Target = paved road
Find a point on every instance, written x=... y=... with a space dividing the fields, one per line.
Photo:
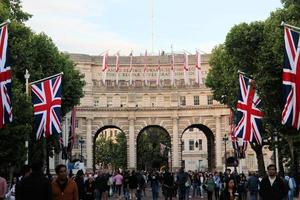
x=149 y=196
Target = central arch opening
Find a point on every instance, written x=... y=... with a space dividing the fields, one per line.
x=153 y=148
x=110 y=149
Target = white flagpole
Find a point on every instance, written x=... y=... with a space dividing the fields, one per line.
x=104 y=67
x=4 y=23
x=130 y=69
x=290 y=26
x=61 y=73
x=186 y=69
x=198 y=72
x=145 y=69
x=117 y=68
x=158 y=71
x=172 y=67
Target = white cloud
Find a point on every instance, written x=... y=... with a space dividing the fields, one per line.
x=67 y=24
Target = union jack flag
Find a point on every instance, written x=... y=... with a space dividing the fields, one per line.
x=249 y=115
x=46 y=99
x=5 y=79
x=291 y=79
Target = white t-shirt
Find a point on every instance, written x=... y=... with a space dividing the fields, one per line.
x=272 y=180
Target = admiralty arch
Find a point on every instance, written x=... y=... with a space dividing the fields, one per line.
x=133 y=106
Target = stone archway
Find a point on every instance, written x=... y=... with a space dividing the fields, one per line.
x=211 y=156
x=95 y=138
x=165 y=145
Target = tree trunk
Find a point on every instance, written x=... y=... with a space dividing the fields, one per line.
x=260 y=158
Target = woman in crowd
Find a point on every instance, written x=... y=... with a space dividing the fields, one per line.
x=229 y=192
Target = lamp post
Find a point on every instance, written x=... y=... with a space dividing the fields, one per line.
x=26 y=76
x=225 y=138
x=276 y=150
x=81 y=141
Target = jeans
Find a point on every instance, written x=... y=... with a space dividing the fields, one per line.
x=253 y=195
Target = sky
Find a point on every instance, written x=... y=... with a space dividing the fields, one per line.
x=95 y=26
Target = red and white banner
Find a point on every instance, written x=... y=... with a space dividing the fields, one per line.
x=145 y=69
x=104 y=67
x=198 y=72
x=186 y=69
x=173 y=70
x=130 y=69
x=117 y=67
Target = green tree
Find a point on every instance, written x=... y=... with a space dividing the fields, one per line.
x=38 y=54
x=112 y=153
x=239 y=53
x=148 y=148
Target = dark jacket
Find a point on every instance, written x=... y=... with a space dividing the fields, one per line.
x=34 y=187
x=225 y=195
x=275 y=192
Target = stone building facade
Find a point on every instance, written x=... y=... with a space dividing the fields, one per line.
x=133 y=108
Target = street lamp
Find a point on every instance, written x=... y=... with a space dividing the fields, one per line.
x=225 y=138
x=26 y=76
x=81 y=141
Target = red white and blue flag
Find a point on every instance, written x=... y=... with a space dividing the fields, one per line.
x=291 y=79
x=5 y=79
x=249 y=116
x=46 y=99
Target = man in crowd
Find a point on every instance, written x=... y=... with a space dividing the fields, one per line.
x=272 y=187
x=35 y=186
x=64 y=188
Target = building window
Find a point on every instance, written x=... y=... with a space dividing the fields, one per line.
x=182 y=100
x=196 y=101
x=182 y=145
x=153 y=101
x=76 y=123
x=191 y=145
x=109 y=102
x=96 y=102
x=123 y=101
x=200 y=144
x=210 y=99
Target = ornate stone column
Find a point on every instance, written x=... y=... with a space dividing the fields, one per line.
x=175 y=148
x=131 y=151
x=89 y=143
x=219 y=144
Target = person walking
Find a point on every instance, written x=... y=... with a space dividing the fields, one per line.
x=252 y=186
x=79 y=179
x=210 y=186
x=89 y=187
x=168 y=185
x=64 y=188
x=229 y=192
x=272 y=187
x=11 y=194
x=35 y=186
x=118 y=179
x=154 y=182
x=182 y=178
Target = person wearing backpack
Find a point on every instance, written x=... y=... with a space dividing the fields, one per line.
x=181 y=180
x=210 y=186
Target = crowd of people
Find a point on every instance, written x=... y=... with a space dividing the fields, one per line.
x=34 y=185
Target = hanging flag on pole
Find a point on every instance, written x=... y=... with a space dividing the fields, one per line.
x=117 y=68
x=5 y=78
x=158 y=71
x=173 y=70
x=290 y=79
x=145 y=69
x=72 y=134
x=104 y=67
x=130 y=69
x=249 y=115
x=46 y=99
x=186 y=69
x=238 y=149
x=198 y=73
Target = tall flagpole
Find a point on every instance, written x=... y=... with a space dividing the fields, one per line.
x=27 y=76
